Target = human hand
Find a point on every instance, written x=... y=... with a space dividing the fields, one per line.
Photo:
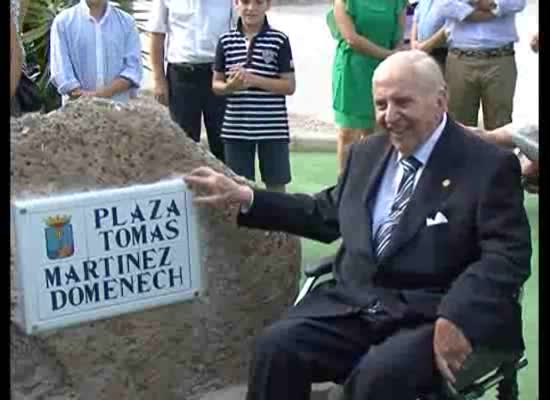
x=534 y=43
x=217 y=190
x=236 y=79
x=484 y=5
x=476 y=130
x=75 y=93
x=160 y=90
x=451 y=348
x=89 y=93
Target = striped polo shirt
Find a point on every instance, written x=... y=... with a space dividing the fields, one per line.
x=254 y=113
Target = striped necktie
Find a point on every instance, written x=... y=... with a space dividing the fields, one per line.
x=405 y=190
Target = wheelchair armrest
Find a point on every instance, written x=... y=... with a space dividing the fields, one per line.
x=323 y=267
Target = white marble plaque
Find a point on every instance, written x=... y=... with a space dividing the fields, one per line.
x=93 y=255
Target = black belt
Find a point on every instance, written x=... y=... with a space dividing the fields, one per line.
x=507 y=50
x=190 y=67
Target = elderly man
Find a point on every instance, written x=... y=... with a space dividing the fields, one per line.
x=435 y=249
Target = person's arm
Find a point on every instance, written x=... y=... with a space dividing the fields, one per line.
x=118 y=85
x=156 y=57
x=15 y=59
x=222 y=85
x=474 y=301
x=157 y=27
x=434 y=41
x=500 y=136
x=502 y=7
x=414 y=32
x=353 y=39
x=130 y=76
x=285 y=84
x=461 y=10
x=480 y=15
x=61 y=67
x=311 y=216
x=534 y=43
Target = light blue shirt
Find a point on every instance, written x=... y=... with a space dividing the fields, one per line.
x=492 y=33
x=427 y=18
x=90 y=54
x=394 y=173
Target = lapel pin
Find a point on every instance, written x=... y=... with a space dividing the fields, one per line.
x=446 y=183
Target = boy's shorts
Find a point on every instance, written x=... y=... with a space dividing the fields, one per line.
x=273 y=155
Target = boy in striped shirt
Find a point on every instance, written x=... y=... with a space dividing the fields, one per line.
x=254 y=69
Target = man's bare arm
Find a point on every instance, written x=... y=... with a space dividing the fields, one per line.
x=160 y=84
x=355 y=40
x=15 y=59
x=437 y=39
x=480 y=15
x=118 y=85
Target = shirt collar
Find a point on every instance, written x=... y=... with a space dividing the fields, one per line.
x=423 y=152
x=86 y=10
x=264 y=28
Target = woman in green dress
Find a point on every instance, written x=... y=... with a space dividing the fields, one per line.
x=367 y=31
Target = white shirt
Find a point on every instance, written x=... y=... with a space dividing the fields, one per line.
x=394 y=173
x=192 y=27
x=89 y=54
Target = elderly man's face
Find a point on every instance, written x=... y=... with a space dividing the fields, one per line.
x=407 y=109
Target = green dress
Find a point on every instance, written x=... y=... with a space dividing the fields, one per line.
x=378 y=21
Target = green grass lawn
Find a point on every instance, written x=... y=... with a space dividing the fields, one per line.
x=313 y=172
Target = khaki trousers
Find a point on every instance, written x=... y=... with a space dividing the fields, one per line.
x=491 y=81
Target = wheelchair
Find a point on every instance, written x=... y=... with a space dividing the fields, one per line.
x=503 y=377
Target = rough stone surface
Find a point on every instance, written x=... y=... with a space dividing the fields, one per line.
x=181 y=351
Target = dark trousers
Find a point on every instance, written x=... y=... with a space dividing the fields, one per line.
x=190 y=97
x=374 y=356
x=377 y=361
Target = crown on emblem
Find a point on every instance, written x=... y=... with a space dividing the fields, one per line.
x=57 y=220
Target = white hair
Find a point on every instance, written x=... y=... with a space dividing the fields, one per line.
x=426 y=70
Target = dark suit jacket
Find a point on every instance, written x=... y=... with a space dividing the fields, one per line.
x=468 y=270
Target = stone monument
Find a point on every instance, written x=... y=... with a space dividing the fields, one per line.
x=181 y=351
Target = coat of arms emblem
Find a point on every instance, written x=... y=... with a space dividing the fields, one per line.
x=269 y=56
x=59 y=237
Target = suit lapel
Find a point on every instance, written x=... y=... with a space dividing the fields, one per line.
x=430 y=192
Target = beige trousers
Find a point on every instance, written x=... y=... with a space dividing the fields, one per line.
x=489 y=81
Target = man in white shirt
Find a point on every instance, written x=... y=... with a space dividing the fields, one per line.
x=188 y=30
x=95 y=51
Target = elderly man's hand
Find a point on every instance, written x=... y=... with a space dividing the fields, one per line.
x=451 y=348
x=217 y=190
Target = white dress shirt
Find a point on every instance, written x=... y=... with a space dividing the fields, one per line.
x=90 y=54
x=192 y=27
x=394 y=173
